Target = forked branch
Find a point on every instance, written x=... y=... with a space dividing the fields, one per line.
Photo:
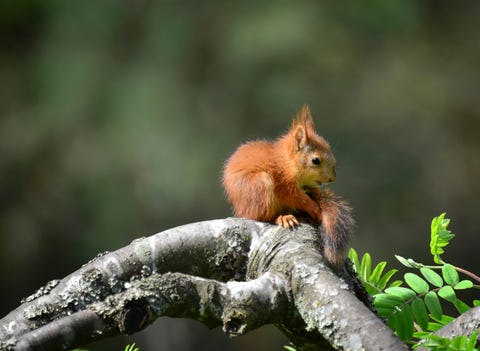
x=235 y=273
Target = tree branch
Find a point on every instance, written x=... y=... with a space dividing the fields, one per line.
x=465 y=324
x=234 y=273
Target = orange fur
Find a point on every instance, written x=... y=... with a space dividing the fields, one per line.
x=279 y=181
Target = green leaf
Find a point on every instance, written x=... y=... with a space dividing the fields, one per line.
x=404 y=323
x=391 y=321
x=440 y=340
x=403 y=261
x=439 y=237
x=432 y=277
x=459 y=342
x=472 y=341
x=365 y=267
x=464 y=284
x=420 y=313
x=450 y=275
x=386 y=308
x=382 y=283
x=461 y=306
x=476 y=303
x=434 y=229
x=387 y=301
x=396 y=283
x=433 y=304
x=131 y=347
x=377 y=272
x=432 y=326
x=416 y=283
x=289 y=348
x=448 y=294
x=404 y=293
x=406 y=262
x=385 y=311
x=444 y=319
x=438 y=343
x=421 y=335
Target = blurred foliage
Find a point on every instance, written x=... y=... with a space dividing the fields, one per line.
x=116 y=116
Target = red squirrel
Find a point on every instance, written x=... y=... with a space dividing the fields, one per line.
x=281 y=182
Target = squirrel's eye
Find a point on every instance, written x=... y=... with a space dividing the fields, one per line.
x=316 y=161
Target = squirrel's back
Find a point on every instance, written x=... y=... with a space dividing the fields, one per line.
x=251 y=156
x=248 y=179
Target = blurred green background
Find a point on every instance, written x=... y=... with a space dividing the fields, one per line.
x=116 y=117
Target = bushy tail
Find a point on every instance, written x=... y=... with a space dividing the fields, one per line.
x=336 y=226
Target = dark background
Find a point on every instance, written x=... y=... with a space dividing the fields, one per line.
x=116 y=117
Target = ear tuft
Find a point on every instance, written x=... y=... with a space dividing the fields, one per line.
x=304 y=118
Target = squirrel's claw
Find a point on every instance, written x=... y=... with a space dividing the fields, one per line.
x=287 y=221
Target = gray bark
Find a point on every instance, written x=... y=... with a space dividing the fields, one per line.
x=234 y=273
x=465 y=324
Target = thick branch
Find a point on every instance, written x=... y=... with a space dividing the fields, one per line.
x=238 y=306
x=465 y=324
x=216 y=249
x=236 y=273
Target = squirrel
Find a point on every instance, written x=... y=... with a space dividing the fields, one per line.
x=282 y=182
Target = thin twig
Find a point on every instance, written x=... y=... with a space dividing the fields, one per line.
x=470 y=274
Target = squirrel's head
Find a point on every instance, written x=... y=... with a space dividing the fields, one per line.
x=313 y=155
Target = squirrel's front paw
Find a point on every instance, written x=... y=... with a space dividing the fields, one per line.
x=287 y=221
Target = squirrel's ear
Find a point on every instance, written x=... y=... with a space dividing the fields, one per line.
x=300 y=138
x=303 y=127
